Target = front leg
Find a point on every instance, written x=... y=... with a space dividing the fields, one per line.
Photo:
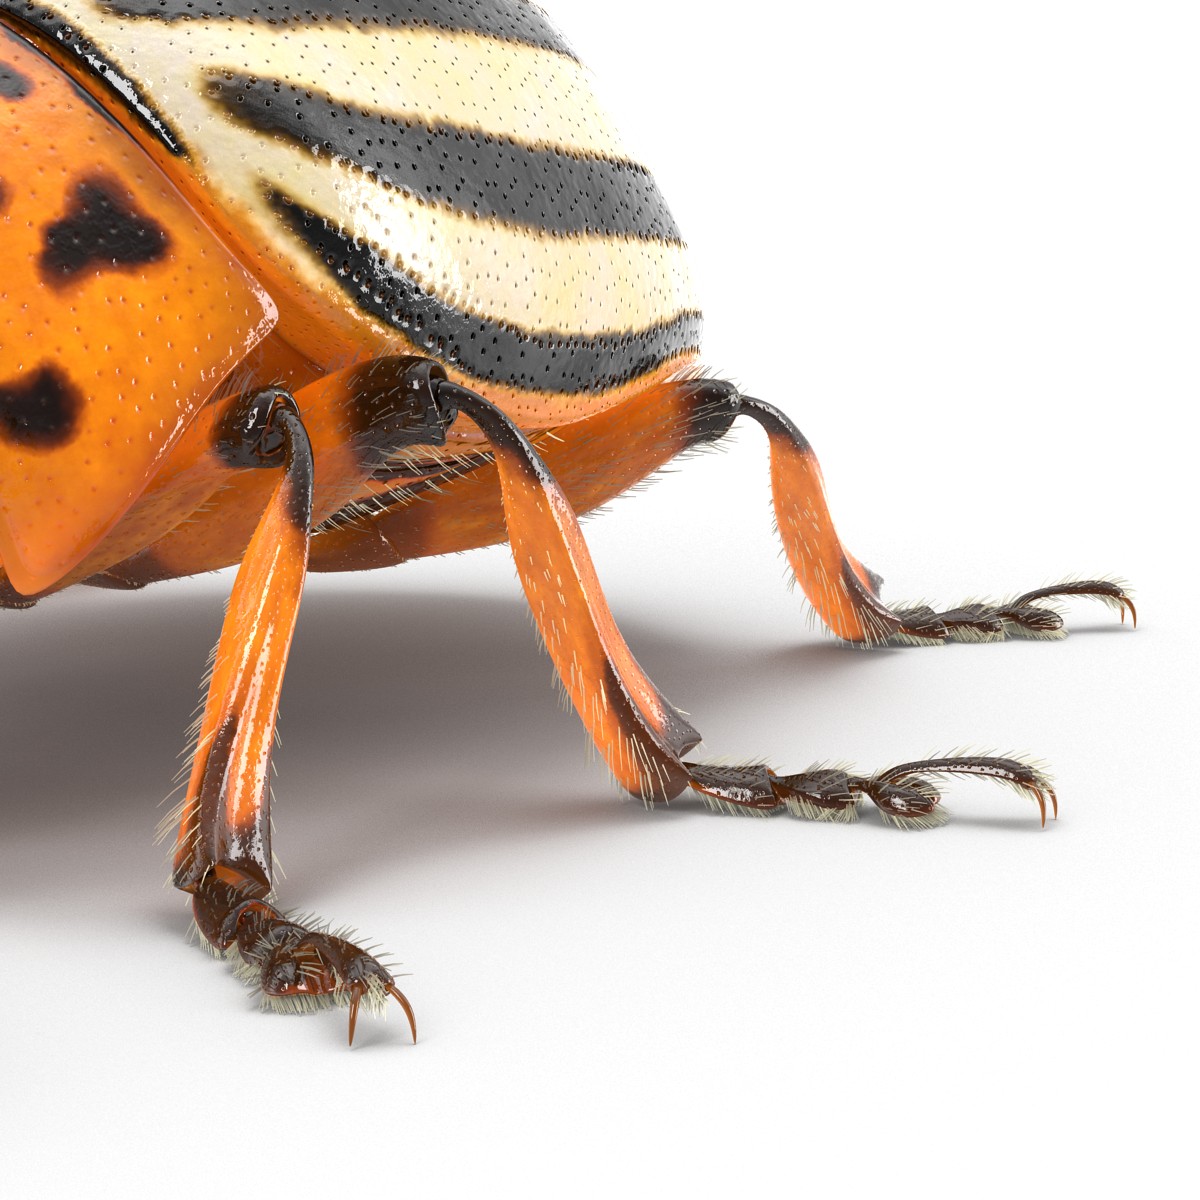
x=223 y=852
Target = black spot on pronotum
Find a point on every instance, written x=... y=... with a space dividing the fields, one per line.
x=13 y=85
x=102 y=229
x=39 y=410
x=3 y=195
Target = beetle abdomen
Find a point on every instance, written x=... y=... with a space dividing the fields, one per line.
x=433 y=173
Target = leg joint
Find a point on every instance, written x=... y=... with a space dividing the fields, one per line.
x=713 y=406
x=396 y=402
x=249 y=434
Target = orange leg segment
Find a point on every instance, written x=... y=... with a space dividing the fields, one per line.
x=223 y=852
x=366 y=415
x=837 y=585
x=225 y=831
x=639 y=732
x=598 y=458
x=845 y=593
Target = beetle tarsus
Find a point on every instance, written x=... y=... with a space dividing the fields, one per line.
x=1019 y=617
x=11 y=598
x=904 y=795
x=296 y=965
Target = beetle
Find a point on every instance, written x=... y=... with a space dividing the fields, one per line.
x=333 y=285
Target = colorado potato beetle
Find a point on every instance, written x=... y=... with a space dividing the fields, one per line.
x=328 y=286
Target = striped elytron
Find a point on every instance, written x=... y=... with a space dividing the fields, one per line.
x=332 y=284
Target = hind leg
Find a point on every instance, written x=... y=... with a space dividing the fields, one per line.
x=846 y=594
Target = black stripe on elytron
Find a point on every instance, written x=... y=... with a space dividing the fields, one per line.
x=509 y=20
x=53 y=26
x=488 y=350
x=475 y=172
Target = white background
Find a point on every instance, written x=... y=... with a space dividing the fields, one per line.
x=957 y=242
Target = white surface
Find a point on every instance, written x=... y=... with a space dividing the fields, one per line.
x=971 y=276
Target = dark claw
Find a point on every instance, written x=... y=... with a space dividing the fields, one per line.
x=296 y=968
x=357 y=991
x=1105 y=590
x=1023 y=776
x=356 y=995
x=393 y=990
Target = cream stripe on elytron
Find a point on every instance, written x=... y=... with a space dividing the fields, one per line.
x=576 y=285
x=532 y=96
x=582 y=284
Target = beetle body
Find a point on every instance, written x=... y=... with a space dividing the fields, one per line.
x=335 y=284
x=472 y=204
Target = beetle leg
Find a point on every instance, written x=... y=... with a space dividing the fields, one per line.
x=223 y=851
x=639 y=732
x=641 y=735
x=846 y=594
x=1019 y=617
x=225 y=828
x=903 y=794
x=10 y=597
